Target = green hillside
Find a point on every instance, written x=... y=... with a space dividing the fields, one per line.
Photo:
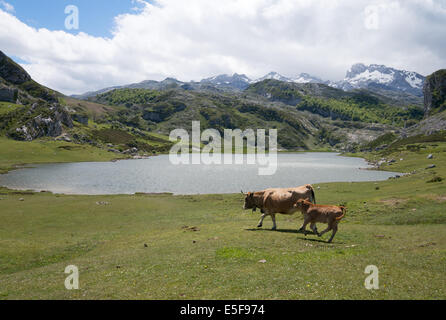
x=334 y=116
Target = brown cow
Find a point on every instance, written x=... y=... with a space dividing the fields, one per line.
x=277 y=200
x=313 y=213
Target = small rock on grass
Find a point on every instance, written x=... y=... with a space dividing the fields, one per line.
x=187 y=228
x=262 y=261
x=428 y=244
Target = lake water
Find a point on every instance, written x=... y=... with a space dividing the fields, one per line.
x=157 y=175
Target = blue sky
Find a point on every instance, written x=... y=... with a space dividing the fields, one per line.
x=95 y=16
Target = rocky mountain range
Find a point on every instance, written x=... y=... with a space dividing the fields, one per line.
x=377 y=78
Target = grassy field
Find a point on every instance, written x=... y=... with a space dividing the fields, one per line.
x=207 y=247
x=13 y=153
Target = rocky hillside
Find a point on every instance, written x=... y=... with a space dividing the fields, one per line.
x=35 y=110
x=432 y=128
x=307 y=116
x=434 y=106
x=435 y=92
x=30 y=111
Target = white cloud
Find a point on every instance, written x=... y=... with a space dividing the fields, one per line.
x=199 y=38
x=7 y=6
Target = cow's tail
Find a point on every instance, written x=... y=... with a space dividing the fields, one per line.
x=344 y=211
x=310 y=187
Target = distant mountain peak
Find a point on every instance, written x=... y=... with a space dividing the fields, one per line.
x=275 y=76
x=307 y=78
x=376 y=76
x=237 y=81
x=171 y=79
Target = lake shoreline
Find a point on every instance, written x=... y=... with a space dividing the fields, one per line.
x=113 y=187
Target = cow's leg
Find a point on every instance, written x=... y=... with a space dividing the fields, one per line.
x=261 y=220
x=314 y=228
x=273 y=217
x=335 y=229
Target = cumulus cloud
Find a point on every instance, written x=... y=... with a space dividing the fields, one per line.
x=199 y=38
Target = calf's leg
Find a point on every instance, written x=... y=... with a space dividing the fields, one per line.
x=330 y=226
x=304 y=227
x=314 y=228
x=335 y=229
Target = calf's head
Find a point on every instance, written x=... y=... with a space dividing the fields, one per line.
x=302 y=204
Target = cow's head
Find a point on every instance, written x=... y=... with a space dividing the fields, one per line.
x=249 y=201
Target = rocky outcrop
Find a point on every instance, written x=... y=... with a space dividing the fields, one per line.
x=11 y=71
x=81 y=118
x=8 y=94
x=49 y=123
x=430 y=125
x=435 y=92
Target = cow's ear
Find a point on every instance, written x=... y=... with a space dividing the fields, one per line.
x=251 y=195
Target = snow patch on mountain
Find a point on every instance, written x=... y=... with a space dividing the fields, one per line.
x=413 y=80
x=372 y=76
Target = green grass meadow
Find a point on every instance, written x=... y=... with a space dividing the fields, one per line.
x=207 y=247
x=13 y=153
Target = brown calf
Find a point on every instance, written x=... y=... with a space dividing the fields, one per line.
x=313 y=213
